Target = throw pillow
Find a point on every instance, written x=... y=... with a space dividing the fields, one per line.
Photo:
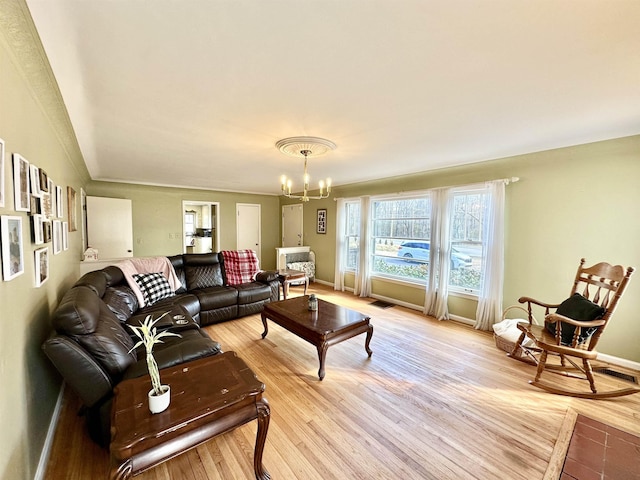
x=578 y=308
x=154 y=287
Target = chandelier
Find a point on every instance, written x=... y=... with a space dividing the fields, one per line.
x=305 y=147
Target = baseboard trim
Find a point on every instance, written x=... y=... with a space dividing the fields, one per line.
x=621 y=362
x=48 y=442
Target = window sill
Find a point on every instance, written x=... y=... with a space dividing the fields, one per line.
x=453 y=291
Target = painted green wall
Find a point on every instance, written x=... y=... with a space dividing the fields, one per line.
x=33 y=122
x=157 y=217
x=570 y=203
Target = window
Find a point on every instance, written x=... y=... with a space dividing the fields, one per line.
x=352 y=234
x=467 y=221
x=400 y=236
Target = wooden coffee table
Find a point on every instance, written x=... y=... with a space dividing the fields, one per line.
x=209 y=396
x=329 y=325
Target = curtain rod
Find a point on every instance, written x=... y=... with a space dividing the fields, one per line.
x=506 y=181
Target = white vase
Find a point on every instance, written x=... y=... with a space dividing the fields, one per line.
x=159 y=403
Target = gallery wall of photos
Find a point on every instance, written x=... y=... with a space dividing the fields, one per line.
x=44 y=202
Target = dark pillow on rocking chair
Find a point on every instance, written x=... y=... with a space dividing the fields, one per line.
x=578 y=308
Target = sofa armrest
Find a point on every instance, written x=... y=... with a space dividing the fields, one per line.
x=267 y=276
x=79 y=369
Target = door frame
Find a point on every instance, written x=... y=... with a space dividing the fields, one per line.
x=257 y=250
x=185 y=204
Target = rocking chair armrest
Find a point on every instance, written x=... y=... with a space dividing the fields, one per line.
x=537 y=302
x=554 y=318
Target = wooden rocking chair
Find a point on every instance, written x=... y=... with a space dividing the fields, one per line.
x=578 y=323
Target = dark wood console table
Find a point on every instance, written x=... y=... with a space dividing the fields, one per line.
x=209 y=396
x=286 y=276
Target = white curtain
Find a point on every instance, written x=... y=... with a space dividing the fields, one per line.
x=437 y=292
x=363 y=281
x=490 y=299
x=338 y=280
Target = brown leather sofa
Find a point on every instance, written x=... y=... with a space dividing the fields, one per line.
x=91 y=346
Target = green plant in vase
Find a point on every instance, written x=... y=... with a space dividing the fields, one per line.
x=149 y=337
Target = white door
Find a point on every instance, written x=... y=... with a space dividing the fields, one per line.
x=110 y=227
x=292 y=225
x=248 y=227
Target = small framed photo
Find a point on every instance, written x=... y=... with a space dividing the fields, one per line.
x=322 y=220
x=65 y=236
x=41 y=265
x=37 y=228
x=44 y=182
x=59 y=204
x=46 y=207
x=52 y=198
x=1 y=172
x=46 y=231
x=21 y=183
x=34 y=180
x=36 y=206
x=12 y=247
x=57 y=237
x=71 y=209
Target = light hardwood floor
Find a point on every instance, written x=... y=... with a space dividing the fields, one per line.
x=437 y=400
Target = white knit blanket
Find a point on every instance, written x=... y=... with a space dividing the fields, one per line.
x=135 y=265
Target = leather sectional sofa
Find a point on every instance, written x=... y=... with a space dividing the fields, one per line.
x=91 y=346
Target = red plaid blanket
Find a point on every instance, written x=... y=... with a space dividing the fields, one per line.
x=240 y=266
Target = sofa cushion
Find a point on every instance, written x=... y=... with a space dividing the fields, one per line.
x=154 y=287
x=253 y=292
x=240 y=266
x=204 y=276
x=122 y=301
x=216 y=297
x=190 y=345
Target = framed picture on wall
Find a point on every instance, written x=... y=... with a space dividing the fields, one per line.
x=34 y=180
x=21 y=183
x=41 y=266
x=59 y=205
x=57 y=237
x=44 y=182
x=46 y=231
x=37 y=227
x=71 y=209
x=65 y=236
x=1 y=172
x=12 y=247
x=322 y=220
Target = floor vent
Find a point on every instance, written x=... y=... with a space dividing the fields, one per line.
x=382 y=304
x=613 y=373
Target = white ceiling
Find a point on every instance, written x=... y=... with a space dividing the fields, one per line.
x=196 y=93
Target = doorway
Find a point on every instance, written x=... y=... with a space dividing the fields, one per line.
x=200 y=226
